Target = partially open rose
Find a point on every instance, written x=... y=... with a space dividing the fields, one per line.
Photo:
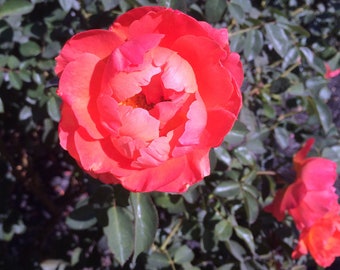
x=312 y=195
x=144 y=101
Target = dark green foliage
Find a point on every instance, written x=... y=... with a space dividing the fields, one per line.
x=50 y=210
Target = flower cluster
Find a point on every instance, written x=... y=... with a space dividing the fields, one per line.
x=313 y=204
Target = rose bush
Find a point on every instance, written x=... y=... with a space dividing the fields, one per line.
x=145 y=101
x=312 y=195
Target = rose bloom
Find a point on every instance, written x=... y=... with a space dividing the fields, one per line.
x=312 y=195
x=321 y=240
x=145 y=101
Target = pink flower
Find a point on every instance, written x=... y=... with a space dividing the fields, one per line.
x=321 y=240
x=144 y=101
x=312 y=195
x=331 y=73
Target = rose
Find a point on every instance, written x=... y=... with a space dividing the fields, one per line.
x=145 y=101
x=321 y=240
x=312 y=195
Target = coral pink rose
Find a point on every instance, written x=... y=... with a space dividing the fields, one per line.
x=144 y=101
x=312 y=195
x=321 y=240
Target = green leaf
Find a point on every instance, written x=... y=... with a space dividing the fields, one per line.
x=29 y=48
x=109 y=4
x=183 y=254
x=214 y=10
x=227 y=189
x=13 y=62
x=53 y=108
x=2 y=107
x=15 y=80
x=25 y=113
x=314 y=62
x=81 y=218
x=119 y=233
x=237 y=12
x=146 y=222
x=51 y=50
x=253 y=44
x=236 y=250
x=278 y=38
x=324 y=115
x=244 y=156
x=246 y=235
x=15 y=7
x=282 y=137
x=291 y=57
x=157 y=261
x=223 y=230
x=68 y=4
x=251 y=206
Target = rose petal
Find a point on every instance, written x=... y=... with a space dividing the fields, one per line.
x=318 y=173
x=138 y=123
x=98 y=156
x=300 y=156
x=78 y=87
x=97 y=42
x=154 y=154
x=174 y=175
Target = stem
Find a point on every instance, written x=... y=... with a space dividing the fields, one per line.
x=266 y=173
x=289 y=70
x=244 y=30
x=172 y=233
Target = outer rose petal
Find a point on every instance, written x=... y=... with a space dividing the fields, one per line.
x=300 y=156
x=174 y=175
x=215 y=84
x=321 y=240
x=318 y=173
x=78 y=87
x=275 y=207
x=135 y=14
x=97 y=42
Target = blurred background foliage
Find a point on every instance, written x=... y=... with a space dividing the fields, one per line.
x=53 y=216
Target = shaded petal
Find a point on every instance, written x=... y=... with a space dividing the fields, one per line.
x=218 y=35
x=197 y=120
x=178 y=74
x=108 y=110
x=275 y=207
x=138 y=123
x=174 y=175
x=234 y=65
x=78 y=87
x=315 y=205
x=128 y=146
x=154 y=154
x=98 y=156
x=97 y=42
x=122 y=56
x=294 y=194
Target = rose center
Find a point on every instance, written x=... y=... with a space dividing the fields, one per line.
x=138 y=101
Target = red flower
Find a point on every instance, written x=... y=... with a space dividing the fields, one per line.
x=312 y=195
x=321 y=240
x=144 y=101
x=331 y=73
